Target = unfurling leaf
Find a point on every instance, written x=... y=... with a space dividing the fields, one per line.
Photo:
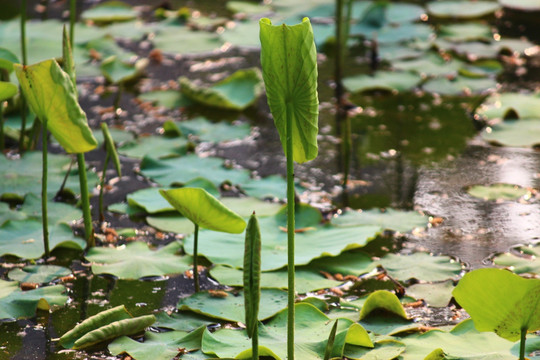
x=252 y=274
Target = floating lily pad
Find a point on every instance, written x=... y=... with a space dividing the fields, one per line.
x=171 y=99
x=504 y=192
x=466 y=32
x=521 y=265
x=155 y=146
x=459 y=86
x=174 y=39
x=312 y=242
x=15 y=303
x=306 y=279
x=57 y=212
x=273 y=186
x=247 y=8
x=514 y=133
x=117 y=71
x=243 y=34
x=500 y=106
x=382 y=80
x=110 y=11
x=347 y=263
x=462 y=9
x=24 y=238
x=396 y=220
x=462 y=342
x=214 y=132
x=522 y=5
x=38 y=274
x=182 y=321
x=435 y=295
x=231 y=307
x=312 y=329
x=235 y=92
x=171 y=222
x=136 y=260
x=421 y=266
x=480 y=50
x=181 y=170
x=430 y=64
x=383 y=350
x=385 y=301
x=6 y=214
x=481 y=69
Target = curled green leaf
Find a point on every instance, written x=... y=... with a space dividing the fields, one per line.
x=252 y=274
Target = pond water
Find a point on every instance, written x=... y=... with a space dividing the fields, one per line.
x=412 y=148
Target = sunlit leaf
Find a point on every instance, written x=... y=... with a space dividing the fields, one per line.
x=109 y=11
x=435 y=294
x=499 y=106
x=461 y=9
x=501 y=192
x=382 y=300
x=421 y=266
x=401 y=221
x=7 y=90
x=514 y=133
x=529 y=263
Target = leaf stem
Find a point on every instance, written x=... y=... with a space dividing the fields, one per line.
x=195 y=261
x=85 y=198
x=290 y=235
x=24 y=62
x=102 y=186
x=44 y=175
x=72 y=19
x=522 y=344
x=2 y=126
x=255 y=343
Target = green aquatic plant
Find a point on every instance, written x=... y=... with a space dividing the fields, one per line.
x=24 y=62
x=204 y=211
x=7 y=90
x=502 y=302
x=252 y=282
x=110 y=154
x=289 y=64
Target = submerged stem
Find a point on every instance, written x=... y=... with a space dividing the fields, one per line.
x=44 y=175
x=522 y=344
x=85 y=198
x=290 y=237
x=195 y=261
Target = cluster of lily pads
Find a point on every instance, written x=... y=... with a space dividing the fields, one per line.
x=334 y=253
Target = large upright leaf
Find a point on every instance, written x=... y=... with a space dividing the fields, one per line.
x=204 y=210
x=500 y=301
x=289 y=63
x=51 y=95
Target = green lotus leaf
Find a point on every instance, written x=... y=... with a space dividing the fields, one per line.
x=185 y=321
x=170 y=99
x=23 y=238
x=155 y=146
x=506 y=192
x=117 y=71
x=421 y=266
x=38 y=274
x=382 y=300
x=431 y=64
x=382 y=80
x=231 y=307
x=235 y=92
x=347 y=263
x=204 y=210
x=273 y=186
x=214 y=132
x=7 y=90
x=173 y=39
x=514 y=133
x=383 y=350
x=469 y=31
x=15 y=303
x=247 y=8
x=7 y=59
x=289 y=63
x=311 y=326
x=500 y=301
x=110 y=11
x=459 y=86
x=58 y=212
x=307 y=279
x=522 y=5
x=530 y=263
x=51 y=95
x=499 y=106
x=435 y=294
x=136 y=260
x=6 y=214
x=462 y=9
x=401 y=221
x=481 y=50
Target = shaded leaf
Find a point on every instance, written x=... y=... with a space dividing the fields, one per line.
x=421 y=266
x=38 y=274
x=383 y=80
x=435 y=295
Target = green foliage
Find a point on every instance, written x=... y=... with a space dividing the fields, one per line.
x=382 y=300
x=110 y=147
x=51 y=95
x=110 y=11
x=289 y=63
x=455 y=9
x=501 y=192
x=396 y=220
x=38 y=274
x=382 y=80
x=7 y=90
x=252 y=275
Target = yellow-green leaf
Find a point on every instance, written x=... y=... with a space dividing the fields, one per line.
x=51 y=95
x=7 y=90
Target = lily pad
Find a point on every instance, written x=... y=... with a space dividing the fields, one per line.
x=24 y=238
x=430 y=64
x=273 y=186
x=312 y=242
x=57 y=212
x=390 y=219
x=181 y=170
x=382 y=80
x=382 y=300
x=502 y=192
x=466 y=32
x=155 y=146
x=38 y=274
x=171 y=222
x=383 y=350
x=15 y=303
x=182 y=321
x=435 y=295
x=136 y=260
x=231 y=307
x=174 y=39
x=214 y=132
x=110 y=11
x=235 y=92
x=117 y=71
x=521 y=265
x=306 y=279
x=522 y=5
x=462 y=9
x=170 y=99
x=421 y=266
x=500 y=106
x=6 y=214
x=311 y=326
x=347 y=263
x=460 y=85
x=514 y=133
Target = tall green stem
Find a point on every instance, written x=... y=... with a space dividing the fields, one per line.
x=102 y=186
x=72 y=19
x=24 y=62
x=195 y=260
x=255 y=345
x=522 y=344
x=85 y=198
x=2 y=126
x=44 y=175
x=290 y=235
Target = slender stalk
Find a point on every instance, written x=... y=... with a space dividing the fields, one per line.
x=2 y=145
x=58 y=195
x=24 y=62
x=87 y=216
x=522 y=344
x=102 y=186
x=290 y=236
x=195 y=261
x=72 y=20
x=44 y=175
x=255 y=345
